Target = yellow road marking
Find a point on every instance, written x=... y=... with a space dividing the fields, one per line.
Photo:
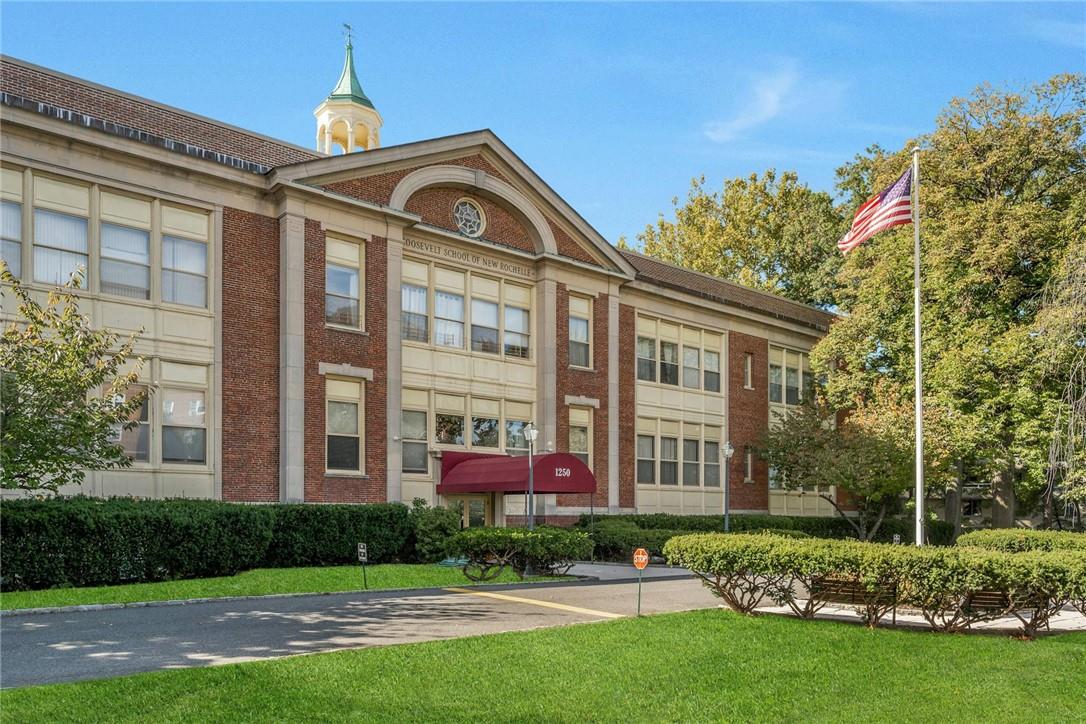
x=534 y=602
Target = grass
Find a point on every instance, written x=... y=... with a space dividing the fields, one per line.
x=706 y=665
x=258 y=582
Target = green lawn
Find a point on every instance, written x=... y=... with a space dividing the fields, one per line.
x=707 y=665
x=259 y=582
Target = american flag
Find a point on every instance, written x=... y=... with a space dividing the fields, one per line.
x=893 y=207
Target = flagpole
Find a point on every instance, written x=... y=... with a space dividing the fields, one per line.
x=919 y=393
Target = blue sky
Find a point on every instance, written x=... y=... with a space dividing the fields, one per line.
x=616 y=106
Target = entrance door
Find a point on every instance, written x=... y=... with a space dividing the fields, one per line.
x=476 y=510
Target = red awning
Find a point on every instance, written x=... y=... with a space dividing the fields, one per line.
x=480 y=473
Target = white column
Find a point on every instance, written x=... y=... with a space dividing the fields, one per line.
x=393 y=373
x=546 y=327
x=350 y=139
x=328 y=140
x=291 y=358
x=612 y=403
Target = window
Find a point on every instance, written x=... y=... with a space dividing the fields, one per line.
x=126 y=261
x=690 y=462
x=484 y=432
x=808 y=385
x=748 y=371
x=791 y=386
x=184 y=434
x=712 y=464
x=137 y=441
x=469 y=218
x=184 y=271
x=971 y=508
x=646 y=459
x=775 y=383
x=774 y=479
x=748 y=464
x=669 y=461
x=515 y=442
x=414 y=322
x=578 y=442
x=484 y=326
x=11 y=237
x=712 y=371
x=448 y=319
x=516 y=332
x=691 y=367
x=60 y=246
x=669 y=363
x=449 y=429
x=415 y=458
x=342 y=283
x=343 y=425
x=578 y=342
x=646 y=359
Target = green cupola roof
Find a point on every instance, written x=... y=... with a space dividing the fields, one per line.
x=348 y=88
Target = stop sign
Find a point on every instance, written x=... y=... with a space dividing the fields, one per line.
x=640 y=558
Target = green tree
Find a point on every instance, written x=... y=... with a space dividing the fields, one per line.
x=769 y=232
x=1000 y=176
x=61 y=392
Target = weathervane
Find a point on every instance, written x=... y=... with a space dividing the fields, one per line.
x=347 y=33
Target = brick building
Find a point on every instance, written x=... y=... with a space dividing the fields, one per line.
x=323 y=326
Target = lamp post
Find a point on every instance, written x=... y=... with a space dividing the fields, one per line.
x=530 y=434
x=728 y=451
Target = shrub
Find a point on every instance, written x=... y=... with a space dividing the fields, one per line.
x=325 y=535
x=946 y=584
x=1020 y=539
x=91 y=542
x=490 y=550
x=431 y=529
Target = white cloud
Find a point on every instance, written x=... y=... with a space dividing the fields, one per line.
x=770 y=93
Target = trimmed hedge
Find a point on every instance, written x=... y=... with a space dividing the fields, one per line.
x=939 y=532
x=1022 y=539
x=953 y=587
x=616 y=540
x=548 y=551
x=92 y=542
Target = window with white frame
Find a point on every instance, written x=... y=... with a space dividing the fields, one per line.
x=517 y=334
x=646 y=459
x=136 y=442
x=748 y=464
x=184 y=426
x=343 y=423
x=343 y=283
x=646 y=359
x=414 y=319
x=414 y=451
x=580 y=440
x=669 y=363
x=448 y=319
x=580 y=348
x=11 y=236
x=516 y=443
x=712 y=371
x=712 y=464
x=791 y=385
x=60 y=247
x=184 y=271
x=125 y=261
x=449 y=428
x=484 y=326
x=669 y=461
x=691 y=367
x=690 y=461
x=748 y=370
x=790 y=377
x=484 y=431
x=776 y=383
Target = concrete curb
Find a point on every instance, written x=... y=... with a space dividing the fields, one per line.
x=432 y=590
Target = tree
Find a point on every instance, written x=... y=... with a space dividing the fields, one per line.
x=867 y=454
x=771 y=233
x=61 y=392
x=1001 y=174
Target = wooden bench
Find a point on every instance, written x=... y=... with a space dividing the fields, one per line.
x=846 y=590
x=986 y=602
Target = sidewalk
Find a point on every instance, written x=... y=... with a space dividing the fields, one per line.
x=626 y=571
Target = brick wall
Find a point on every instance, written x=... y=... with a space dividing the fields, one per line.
x=377 y=188
x=748 y=417
x=627 y=405
x=107 y=105
x=250 y=373
x=323 y=344
x=568 y=247
x=587 y=383
x=435 y=206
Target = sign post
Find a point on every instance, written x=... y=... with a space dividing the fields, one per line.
x=363 y=557
x=640 y=560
